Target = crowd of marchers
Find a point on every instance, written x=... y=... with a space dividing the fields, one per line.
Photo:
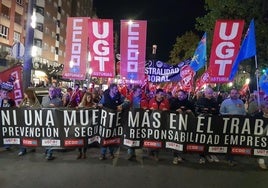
x=120 y=98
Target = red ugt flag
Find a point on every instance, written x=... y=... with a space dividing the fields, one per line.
x=225 y=46
x=101 y=47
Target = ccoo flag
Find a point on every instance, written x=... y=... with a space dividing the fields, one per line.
x=200 y=55
x=247 y=49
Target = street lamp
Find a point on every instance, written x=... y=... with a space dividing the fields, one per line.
x=154 y=49
x=33 y=18
x=130 y=22
x=247 y=80
x=34 y=51
x=27 y=63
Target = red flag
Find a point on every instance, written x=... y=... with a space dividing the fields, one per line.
x=132 y=50
x=101 y=47
x=204 y=79
x=225 y=46
x=17 y=92
x=244 y=89
x=168 y=86
x=76 y=49
x=187 y=75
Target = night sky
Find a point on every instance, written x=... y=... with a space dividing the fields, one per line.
x=165 y=19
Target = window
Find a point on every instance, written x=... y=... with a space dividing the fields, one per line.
x=57 y=36
x=20 y=2
x=38 y=43
x=39 y=26
x=18 y=18
x=5 y=11
x=57 y=50
x=4 y=31
x=58 y=23
x=59 y=10
x=40 y=10
x=16 y=36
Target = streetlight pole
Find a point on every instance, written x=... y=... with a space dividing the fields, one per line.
x=27 y=63
x=89 y=77
x=154 y=51
x=71 y=64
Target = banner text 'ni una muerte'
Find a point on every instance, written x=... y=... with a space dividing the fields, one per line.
x=134 y=128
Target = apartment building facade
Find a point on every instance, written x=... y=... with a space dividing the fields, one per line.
x=48 y=45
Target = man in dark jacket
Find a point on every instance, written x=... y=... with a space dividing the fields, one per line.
x=181 y=104
x=114 y=100
x=207 y=105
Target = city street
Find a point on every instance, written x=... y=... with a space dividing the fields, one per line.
x=32 y=170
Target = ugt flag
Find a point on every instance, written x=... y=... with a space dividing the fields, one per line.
x=199 y=59
x=247 y=50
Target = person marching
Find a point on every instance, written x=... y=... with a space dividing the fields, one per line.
x=136 y=101
x=29 y=101
x=263 y=114
x=232 y=106
x=159 y=102
x=181 y=104
x=51 y=101
x=87 y=102
x=207 y=105
x=114 y=100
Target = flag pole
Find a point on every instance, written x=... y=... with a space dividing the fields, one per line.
x=257 y=82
